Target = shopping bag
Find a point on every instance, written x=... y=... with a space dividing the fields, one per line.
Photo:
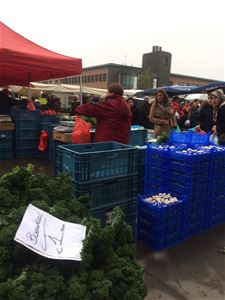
x=30 y=105
x=81 y=132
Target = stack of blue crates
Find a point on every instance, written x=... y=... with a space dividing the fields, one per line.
x=27 y=125
x=160 y=225
x=48 y=123
x=217 y=186
x=141 y=157
x=6 y=144
x=191 y=170
x=107 y=172
x=194 y=173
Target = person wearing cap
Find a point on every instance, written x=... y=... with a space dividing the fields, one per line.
x=217 y=98
x=113 y=116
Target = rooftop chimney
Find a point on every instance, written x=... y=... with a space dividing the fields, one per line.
x=156 y=48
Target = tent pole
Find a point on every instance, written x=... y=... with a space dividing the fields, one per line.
x=29 y=91
x=81 y=90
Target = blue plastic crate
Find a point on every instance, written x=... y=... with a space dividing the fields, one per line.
x=138 y=136
x=186 y=188
x=189 y=137
x=161 y=226
x=25 y=115
x=179 y=137
x=6 y=153
x=98 y=161
x=26 y=124
x=49 y=118
x=6 y=135
x=26 y=152
x=6 y=140
x=27 y=133
x=106 y=215
x=108 y=192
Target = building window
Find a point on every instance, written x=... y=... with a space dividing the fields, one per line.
x=88 y=78
x=165 y=61
x=104 y=77
x=100 y=77
x=92 y=78
x=96 y=77
x=127 y=80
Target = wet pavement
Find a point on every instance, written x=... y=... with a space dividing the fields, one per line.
x=192 y=270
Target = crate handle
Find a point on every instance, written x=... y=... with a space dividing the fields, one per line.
x=111 y=155
x=89 y=147
x=109 y=182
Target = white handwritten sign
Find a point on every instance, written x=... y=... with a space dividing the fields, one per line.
x=50 y=236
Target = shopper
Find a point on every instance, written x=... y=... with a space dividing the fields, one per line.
x=161 y=114
x=145 y=110
x=218 y=102
x=113 y=116
x=7 y=102
x=136 y=114
x=206 y=116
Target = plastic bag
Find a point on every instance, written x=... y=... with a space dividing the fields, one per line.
x=81 y=132
x=213 y=139
x=31 y=106
x=177 y=128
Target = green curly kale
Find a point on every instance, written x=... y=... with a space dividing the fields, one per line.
x=108 y=270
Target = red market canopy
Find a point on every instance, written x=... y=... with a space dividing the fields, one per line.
x=22 y=61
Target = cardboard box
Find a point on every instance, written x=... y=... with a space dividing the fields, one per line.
x=6 y=126
x=62 y=136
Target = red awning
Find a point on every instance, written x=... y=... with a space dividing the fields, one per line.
x=22 y=61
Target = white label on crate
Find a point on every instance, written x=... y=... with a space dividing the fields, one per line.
x=49 y=236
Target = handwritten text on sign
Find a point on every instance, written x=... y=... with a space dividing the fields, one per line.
x=50 y=236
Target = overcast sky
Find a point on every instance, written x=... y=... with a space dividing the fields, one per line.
x=121 y=31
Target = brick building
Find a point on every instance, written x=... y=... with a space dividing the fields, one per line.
x=158 y=62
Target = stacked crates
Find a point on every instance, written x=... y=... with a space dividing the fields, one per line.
x=141 y=157
x=217 y=186
x=6 y=144
x=160 y=225
x=193 y=173
x=50 y=152
x=107 y=172
x=191 y=170
x=26 y=132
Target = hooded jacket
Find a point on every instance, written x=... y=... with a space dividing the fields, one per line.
x=220 y=120
x=113 y=117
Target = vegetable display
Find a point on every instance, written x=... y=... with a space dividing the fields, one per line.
x=108 y=270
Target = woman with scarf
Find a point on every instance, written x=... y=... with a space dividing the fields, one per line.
x=218 y=103
x=162 y=114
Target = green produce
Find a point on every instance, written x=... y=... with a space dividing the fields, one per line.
x=108 y=270
x=90 y=120
x=163 y=138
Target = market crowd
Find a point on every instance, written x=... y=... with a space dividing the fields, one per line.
x=115 y=113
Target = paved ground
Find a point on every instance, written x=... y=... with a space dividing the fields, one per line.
x=192 y=270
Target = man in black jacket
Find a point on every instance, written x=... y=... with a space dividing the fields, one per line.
x=145 y=110
x=7 y=102
x=206 y=116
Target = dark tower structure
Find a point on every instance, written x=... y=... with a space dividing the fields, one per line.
x=158 y=62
